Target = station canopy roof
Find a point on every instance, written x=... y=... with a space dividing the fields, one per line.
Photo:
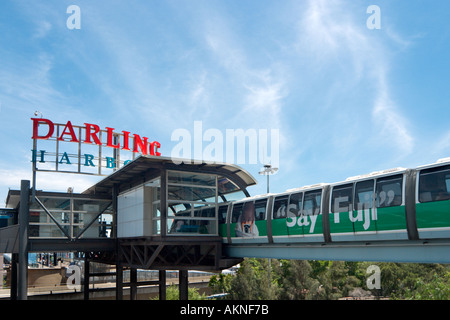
x=232 y=178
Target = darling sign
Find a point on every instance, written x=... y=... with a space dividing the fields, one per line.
x=86 y=149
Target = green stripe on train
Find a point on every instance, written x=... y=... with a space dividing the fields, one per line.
x=433 y=214
x=260 y=224
x=374 y=219
x=303 y=225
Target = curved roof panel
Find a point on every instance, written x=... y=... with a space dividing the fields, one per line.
x=145 y=168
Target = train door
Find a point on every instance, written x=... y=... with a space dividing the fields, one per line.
x=311 y=215
x=282 y=216
x=341 y=208
x=248 y=222
x=433 y=202
x=390 y=214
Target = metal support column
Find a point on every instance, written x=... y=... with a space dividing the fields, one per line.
x=24 y=217
x=14 y=261
x=119 y=281
x=86 y=276
x=163 y=202
x=183 y=284
x=162 y=285
x=133 y=284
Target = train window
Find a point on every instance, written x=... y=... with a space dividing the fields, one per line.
x=223 y=214
x=364 y=194
x=342 y=198
x=295 y=205
x=389 y=191
x=311 y=203
x=237 y=211
x=280 y=207
x=434 y=184
x=260 y=209
x=249 y=211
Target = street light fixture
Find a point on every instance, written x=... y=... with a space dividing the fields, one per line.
x=268 y=170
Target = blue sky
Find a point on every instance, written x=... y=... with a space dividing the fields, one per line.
x=346 y=99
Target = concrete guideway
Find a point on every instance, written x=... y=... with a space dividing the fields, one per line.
x=420 y=251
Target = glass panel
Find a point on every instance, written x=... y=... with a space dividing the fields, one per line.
x=389 y=191
x=47 y=231
x=99 y=229
x=434 y=184
x=223 y=214
x=157 y=210
x=191 y=178
x=90 y=205
x=52 y=203
x=155 y=188
x=181 y=226
x=181 y=209
x=260 y=209
x=364 y=194
x=246 y=220
x=295 y=204
x=105 y=227
x=280 y=206
x=38 y=216
x=205 y=211
x=235 y=196
x=312 y=202
x=225 y=186
x=156 y=226
x=61 y=217
x=342 y=199
x=237 y=211
x=190 y=193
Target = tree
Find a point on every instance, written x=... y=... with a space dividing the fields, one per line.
x=296 y=282
x=437 y=289
x=220 y=283
x=252 y=281
x=331 y=280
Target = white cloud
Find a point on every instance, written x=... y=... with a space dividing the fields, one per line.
x=336 y=43
x=262 y=89
x=392 y=126
x=42 y=29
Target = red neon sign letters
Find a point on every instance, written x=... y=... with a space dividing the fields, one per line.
x=92 y=132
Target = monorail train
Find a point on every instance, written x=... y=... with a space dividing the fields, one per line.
x=396 y=204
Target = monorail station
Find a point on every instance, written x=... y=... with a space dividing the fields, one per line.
x=150 y=214
x=159 y=213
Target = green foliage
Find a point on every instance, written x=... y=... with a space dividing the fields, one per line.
x=296 y=281
x=437 y=289
x=331 y=280
x=256 y=279
x=252 y=281
x=173 y=293
x=220 y=283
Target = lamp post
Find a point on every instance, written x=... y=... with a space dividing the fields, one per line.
x=268 y=170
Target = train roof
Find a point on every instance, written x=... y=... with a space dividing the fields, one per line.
x=307 y=188
x=375 y=174
x=438 y=163
x=256 y=197
x=352 y=179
